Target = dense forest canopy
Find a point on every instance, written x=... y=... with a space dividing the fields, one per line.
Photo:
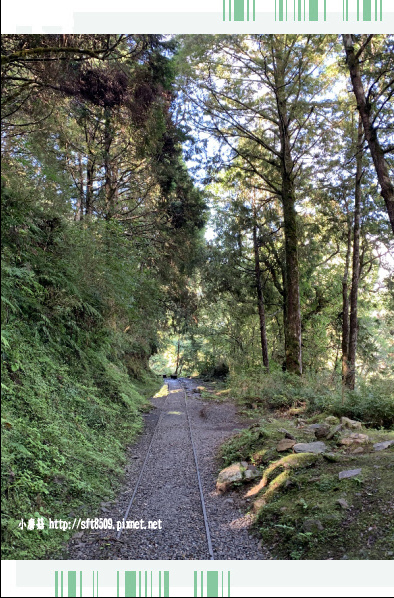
x=118 y=153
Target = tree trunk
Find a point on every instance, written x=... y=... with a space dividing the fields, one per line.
x=89 y=187
x=178 y=361
x=292 y=296
x=345 y=305
x=364 y=108
x=107 y=165
x=260 y=296
x=353 y=324
x=80 y=201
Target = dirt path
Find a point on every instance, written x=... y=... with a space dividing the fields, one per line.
x=168 y=492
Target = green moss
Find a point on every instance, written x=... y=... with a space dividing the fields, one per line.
x=363 y=531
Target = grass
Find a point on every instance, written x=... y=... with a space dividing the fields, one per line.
x=295 y=502
x=64 y=434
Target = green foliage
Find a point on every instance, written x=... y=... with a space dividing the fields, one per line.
x=69 y=404
x=305 y=520
x=243 y=445
x=372 y=402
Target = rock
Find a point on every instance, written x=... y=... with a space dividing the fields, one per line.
x=228 y=501
x=77 y=536
x=230 y=475
x=310 y=447
x=381 y=446
x=331 y=420
x=334 y=431
x=311 y=428
x=354 y=439
x=357 y=450
x=349 y=473
x=312 y=525
x=286 y=433
x=322 y=431
x=350 y=423
x=251 y=474
x=332 y=457
x=342 y=503
x=285 y=445
x=290 y=484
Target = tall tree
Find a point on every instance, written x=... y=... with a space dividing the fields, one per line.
x=353 y=321
x=264 y=115
x=382 y=86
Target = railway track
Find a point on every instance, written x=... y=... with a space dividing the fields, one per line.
x=173 y=386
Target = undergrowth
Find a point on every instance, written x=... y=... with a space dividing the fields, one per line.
x=372 y=402
x=74 y=351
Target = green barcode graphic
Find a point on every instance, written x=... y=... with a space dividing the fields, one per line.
x=304 y=10
x=133 y=583
x=214 y=585
x=239 y=10
x=60 y=584
x=140 y=583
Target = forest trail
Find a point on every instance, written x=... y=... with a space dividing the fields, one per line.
x=168 y=488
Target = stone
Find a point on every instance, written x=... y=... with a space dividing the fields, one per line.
x=381 y=446
x=285 y=445
x=334 y=431
x=229 y=501
x=354 y=439
x=332 y=457
x=342 y=503
x=357 y=451
x=310 y=447
x=230 y=475
x=290 y=484
x=331 y=420
x=251 y=474
x=319 y=430
x=349 y=473
x=350 y=423
x=286 y=433
x=312 y=525
x=322 y=431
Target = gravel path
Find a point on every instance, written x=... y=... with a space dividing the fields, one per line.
x=168 y=491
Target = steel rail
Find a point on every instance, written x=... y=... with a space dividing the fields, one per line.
x=204 y=512
x=143 y=466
